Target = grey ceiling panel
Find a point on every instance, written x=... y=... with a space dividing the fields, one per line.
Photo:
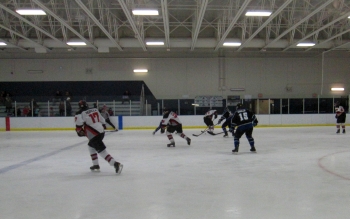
x=186 y=26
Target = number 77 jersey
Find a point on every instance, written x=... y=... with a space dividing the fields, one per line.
x=91 y=121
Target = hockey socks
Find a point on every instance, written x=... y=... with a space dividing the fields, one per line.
x=107 y=157
x=93 y=155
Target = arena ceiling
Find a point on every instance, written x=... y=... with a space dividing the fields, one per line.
x=187 y=28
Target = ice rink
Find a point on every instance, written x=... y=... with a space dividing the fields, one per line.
x=297 y=173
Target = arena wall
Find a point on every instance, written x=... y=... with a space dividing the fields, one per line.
x=176 y=78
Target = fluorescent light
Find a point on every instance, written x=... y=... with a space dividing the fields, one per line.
x=140 y=70
x=2 y=44
x=30 y=12
x=337 y=89
x=195 y=104
x=237 y=89
x=76 y=43
x=305 y=44
x=145 y=12
x=155 y=43
x=258 y=13
x=232 y=44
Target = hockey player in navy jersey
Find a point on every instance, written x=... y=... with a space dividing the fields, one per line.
x=209 y=117
x=244 y=121
x=171 y=123
x=227 y=116
x=90 y=123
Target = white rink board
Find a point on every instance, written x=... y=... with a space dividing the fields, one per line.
x=150 y=122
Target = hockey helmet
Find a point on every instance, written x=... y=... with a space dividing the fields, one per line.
x=83 y=105
x=165 y=110
x=239 y=106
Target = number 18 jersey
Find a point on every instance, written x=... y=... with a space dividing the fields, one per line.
x=242 y=116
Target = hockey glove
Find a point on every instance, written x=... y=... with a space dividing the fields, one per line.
x=104 y=126
x=81 y=133
x=162 y=130
x=219 y=121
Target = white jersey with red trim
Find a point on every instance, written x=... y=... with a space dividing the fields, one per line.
x=91 y=121
x=339 y=110
x=210 y=113
x=105 y=114
x=171 y=119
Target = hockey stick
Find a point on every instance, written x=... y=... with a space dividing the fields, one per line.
x=212 y=133
x=205 y=130
x=111 y=130
x=200 y=133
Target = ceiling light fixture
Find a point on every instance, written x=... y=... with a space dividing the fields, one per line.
x=76 y=43
x=3 y=44
x=145 y=12
x=337 y=89
x=140 y=70
x=237 y=89
x=155 y=43
x=258 y=13
x=30 y=12
x=305 y=44
x=232 y=44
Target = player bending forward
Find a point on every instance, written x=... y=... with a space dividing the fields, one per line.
x=91 y=124
x=208 y=118
x=172 y=123
x=244 y=121
x=227 y=116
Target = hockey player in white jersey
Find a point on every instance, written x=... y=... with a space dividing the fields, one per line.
x=209 y=117
x=105 y=115
x=340 y=115
x=172 y=123
x=90 y=123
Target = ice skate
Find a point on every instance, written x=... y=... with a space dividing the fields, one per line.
x=338 y=131
x=235 y=151
x=225 y=135
x=118 y=167
x=172 y=144
x=253 y=149
x=188 y=141
x=95 y=168
x=343 y=131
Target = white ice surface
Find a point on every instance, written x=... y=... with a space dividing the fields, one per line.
x=297 y=173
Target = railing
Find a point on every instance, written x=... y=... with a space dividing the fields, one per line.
x=139 y=106
x=68 y=108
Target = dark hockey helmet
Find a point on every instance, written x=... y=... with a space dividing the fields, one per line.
x=165 y=110
x=239 y=106
x=83 y=105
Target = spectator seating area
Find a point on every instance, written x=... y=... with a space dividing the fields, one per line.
x=132 y=108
